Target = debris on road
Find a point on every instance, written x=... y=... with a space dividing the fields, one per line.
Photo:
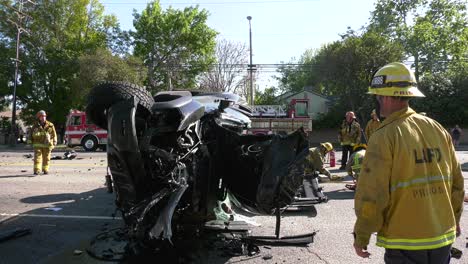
x=336 y=178
x=15 y=233
x=55 y=209
x=28 y=156
x=456 y=253
x=68 y=155
x=77 y=252
x=267 y=256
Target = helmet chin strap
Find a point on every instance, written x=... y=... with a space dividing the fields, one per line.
x=377 y=107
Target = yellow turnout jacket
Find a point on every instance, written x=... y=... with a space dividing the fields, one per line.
x=350 y=134
x=354 y=163
x=43 y=136
x=371 y=126
x=314 y=162
x=410 y=190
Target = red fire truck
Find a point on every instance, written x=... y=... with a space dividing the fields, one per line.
x=81 y=132
x=269 y=119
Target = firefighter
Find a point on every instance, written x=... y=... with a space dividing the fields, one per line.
x=372 y=125
x=349 y=135
x=315 y=159
x=43 y=139
x=353 y=167
x=410 y=189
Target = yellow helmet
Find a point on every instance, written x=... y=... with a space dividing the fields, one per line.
x=327 y=145
x=357 y=146
x=395 y=79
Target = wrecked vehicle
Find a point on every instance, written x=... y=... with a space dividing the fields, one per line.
x=173 y=158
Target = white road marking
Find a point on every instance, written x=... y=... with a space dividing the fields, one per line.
x=63 y=216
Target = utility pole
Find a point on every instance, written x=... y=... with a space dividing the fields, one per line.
x=250 y=65
x=19 y=29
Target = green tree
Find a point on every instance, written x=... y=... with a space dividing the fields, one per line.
x=101 y=66
x=6 y=72
x=445 y=99
x=433 y=33
x=343 y=70
x=296 y=75
x=266 y=97
x=60 y=31
x=176 y=45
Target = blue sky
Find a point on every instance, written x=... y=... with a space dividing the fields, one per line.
x=281 y=29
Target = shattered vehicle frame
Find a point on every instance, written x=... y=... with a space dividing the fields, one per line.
x=174 y=156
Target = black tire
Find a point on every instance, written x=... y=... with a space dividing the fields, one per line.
x=89 y=143
x=104 y=95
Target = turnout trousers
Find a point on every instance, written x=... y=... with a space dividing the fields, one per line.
x=428 y=256
x=347 y=150
x=41 y=159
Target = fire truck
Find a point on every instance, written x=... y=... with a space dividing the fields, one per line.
x=80 y=131
x=270 y=119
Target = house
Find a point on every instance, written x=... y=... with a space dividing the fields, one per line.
x=317 y=103
x=5 y=128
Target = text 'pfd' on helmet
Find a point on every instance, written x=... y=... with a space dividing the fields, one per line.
x=395 y=79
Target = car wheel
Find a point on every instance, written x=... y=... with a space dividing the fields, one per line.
x=104 y=95
x=89 y=143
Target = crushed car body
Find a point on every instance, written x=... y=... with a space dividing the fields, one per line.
x=174 y=156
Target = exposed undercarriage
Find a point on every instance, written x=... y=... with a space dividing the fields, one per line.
x=173 y=158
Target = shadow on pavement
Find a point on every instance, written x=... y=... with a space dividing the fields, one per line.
x=63 y=229
x=309 y=212
x=464 y=166
x=75 y=218
x=341 y=194
x=53 y=198
x=17 y=176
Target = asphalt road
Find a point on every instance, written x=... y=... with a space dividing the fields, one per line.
x=67 y=208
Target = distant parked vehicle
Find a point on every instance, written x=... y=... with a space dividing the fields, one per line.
x=81 y=132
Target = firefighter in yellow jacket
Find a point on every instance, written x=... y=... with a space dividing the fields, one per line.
x=410 y=190
x=353 y=167
x=372 y=124
x=349 y=135
x=314 y=161
x=43 y=139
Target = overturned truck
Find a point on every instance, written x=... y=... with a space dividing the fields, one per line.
x=174 y=156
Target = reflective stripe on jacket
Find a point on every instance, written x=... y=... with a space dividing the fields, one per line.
x=354 y=163
x=43 y=136
x=410 y=188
